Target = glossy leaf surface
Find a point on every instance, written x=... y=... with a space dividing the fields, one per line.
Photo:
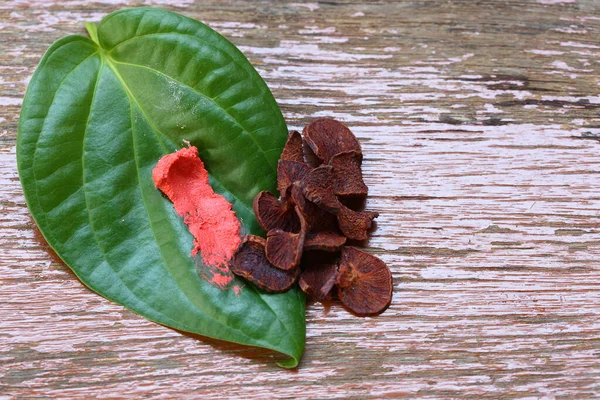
x=98 y=115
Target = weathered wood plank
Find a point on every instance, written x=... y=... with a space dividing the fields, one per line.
x=480 y=126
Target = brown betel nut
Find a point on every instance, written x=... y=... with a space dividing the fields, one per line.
x=317 y=280
x=251 y=263
x=364 y=282
x=317 y=220
x=292 y=151
x=324 y=241
x=327 y=137
x=284 y=249
x=347 y=174
x=289 y=172
x=317 y=187
x=355 y=225
x=272 y=213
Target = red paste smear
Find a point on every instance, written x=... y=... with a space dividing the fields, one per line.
x=209 y=217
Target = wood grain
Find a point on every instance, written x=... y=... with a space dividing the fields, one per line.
x=480 y=127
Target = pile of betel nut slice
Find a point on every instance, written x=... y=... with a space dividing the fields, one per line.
x=321 y=188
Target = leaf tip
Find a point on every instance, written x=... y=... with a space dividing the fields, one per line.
x=289 y=363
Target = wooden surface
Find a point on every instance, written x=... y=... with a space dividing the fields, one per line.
x=480 y=126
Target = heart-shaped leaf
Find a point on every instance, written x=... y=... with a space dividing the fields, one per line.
x=98 y=115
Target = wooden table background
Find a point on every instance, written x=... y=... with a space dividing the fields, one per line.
x=479 y=121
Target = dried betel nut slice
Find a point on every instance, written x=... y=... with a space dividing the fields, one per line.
x=317 y=280
x=272 y=213
x=355 y=225
x=289 y=172
x=324 y=241
x=347 y=174
x=327 y=137
x=317 y=219
x=364 y=282
x=251 y=263
x=292 y=151
x=284 y=249
x=317 y=187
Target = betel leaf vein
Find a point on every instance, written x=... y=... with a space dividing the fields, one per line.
x=97 y=116
x=132 y=98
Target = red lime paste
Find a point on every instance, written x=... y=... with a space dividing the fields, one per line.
x=209 y=217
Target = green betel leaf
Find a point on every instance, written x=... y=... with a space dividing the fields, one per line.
x=98 y=115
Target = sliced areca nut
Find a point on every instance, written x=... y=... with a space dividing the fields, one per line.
x=324 y=241
x=347 y=174
x=272 y=213
x=327 y=137
x=289 y=172
x=250 y=262
x=364 y=282
x=292 y=151
x=316 y=219
x=284 y=249
x=355 y=224
x=317 y=280
x=317 y=187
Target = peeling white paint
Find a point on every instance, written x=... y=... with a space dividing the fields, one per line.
x=573 y=99
x=10 y=101
x=562 y=65
x=309 y=30
x=580 y=45
x=176 y=3
x=310 y=6
x=489 y=108
x=572 y=30
x=546 y=52
x=237 y=25
x=555 y=1
x=313 y=51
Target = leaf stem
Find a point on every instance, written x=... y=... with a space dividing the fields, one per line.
x=92 y=30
